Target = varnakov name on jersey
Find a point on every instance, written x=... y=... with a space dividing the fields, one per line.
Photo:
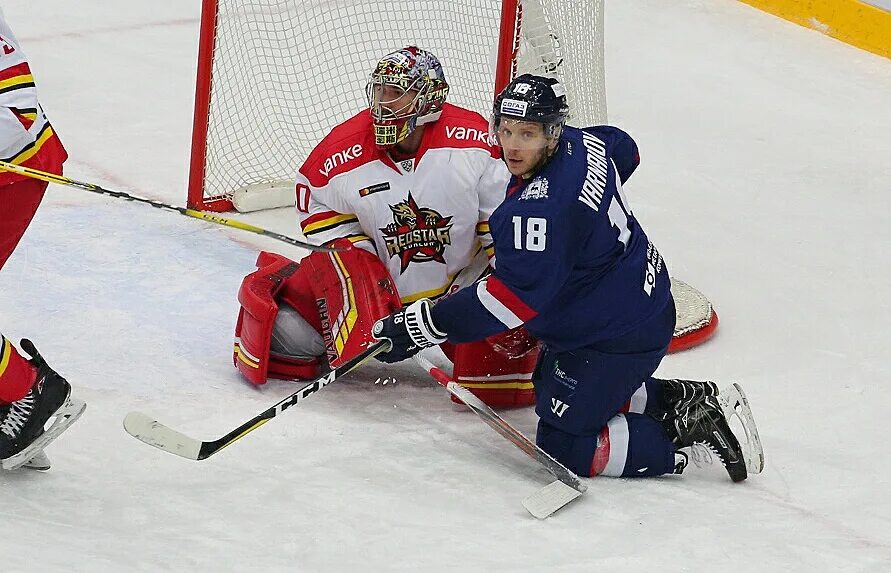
x=573 y=264
x=426 y=217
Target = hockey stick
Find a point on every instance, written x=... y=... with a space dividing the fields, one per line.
x=154 y=433
x=552 y=497
x=209 y=217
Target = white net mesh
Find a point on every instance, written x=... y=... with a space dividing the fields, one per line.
x=564 y=39
x=286 y=71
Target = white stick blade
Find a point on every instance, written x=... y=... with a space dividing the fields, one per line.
x=549 y=499
x=154 y=433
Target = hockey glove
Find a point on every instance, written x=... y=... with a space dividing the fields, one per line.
x=409 y=329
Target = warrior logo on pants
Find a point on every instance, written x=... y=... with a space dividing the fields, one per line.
x=558 y=407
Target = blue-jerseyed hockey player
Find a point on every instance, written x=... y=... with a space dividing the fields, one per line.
x=573 y=265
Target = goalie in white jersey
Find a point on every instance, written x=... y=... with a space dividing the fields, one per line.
x=408 y=185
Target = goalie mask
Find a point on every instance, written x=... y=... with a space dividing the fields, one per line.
x=407 y=89
x=529 y=99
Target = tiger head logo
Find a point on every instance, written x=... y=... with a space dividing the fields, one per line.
x=417 y=234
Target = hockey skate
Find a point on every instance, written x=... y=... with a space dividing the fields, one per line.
x=23 y=434
x=678 y=396
x=704 y=429
x=40 y=461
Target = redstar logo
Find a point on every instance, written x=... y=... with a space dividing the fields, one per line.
x=416 y=234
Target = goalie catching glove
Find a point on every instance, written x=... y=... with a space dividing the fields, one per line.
x=410 y=329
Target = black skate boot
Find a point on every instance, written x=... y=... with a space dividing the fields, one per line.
x=679 y=395
x=705 y=425
x=40 y=461
x=22 y=424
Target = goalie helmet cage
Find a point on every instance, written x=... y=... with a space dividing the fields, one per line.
x=274 y=76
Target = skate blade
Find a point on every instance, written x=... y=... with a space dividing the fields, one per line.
x=39 y=462
x=736 y=405
x=70 y=411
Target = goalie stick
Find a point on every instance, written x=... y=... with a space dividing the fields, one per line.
x=61 y=180
x=552 y=497
x=154 y=433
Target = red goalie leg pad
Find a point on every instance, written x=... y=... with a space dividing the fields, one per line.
x=353 y=290
x=259 y=308
x=498 y=369
x=17 y=375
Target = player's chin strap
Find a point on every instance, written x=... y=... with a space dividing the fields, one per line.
x=209 y=217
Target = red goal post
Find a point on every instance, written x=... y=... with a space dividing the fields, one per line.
x=275 y=75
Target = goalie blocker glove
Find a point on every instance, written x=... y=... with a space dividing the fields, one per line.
x=410 y=329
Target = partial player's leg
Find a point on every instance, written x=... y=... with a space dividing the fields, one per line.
x=579 y=395
x=33 y=394
x=583 y=397
x=20 y=201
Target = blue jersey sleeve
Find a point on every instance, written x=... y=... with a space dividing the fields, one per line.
x=623 y=149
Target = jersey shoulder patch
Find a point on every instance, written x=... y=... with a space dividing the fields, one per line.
x=348 y=146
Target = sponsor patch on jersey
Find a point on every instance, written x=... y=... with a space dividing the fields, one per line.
x=417 y=234
x=374 y=189
x=537 y=189
x=514 y=107
x=462 y=133
x=340 y=158
x=654 y=267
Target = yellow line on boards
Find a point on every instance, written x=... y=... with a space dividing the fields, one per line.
x=851 y=21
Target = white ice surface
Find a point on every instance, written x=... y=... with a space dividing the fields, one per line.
x=765 y=181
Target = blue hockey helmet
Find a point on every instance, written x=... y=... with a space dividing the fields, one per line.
x=530 y=98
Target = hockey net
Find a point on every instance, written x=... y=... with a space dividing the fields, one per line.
x=276 y=75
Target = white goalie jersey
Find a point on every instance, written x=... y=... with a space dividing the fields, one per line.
x=425 y=217
x=24 y=128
